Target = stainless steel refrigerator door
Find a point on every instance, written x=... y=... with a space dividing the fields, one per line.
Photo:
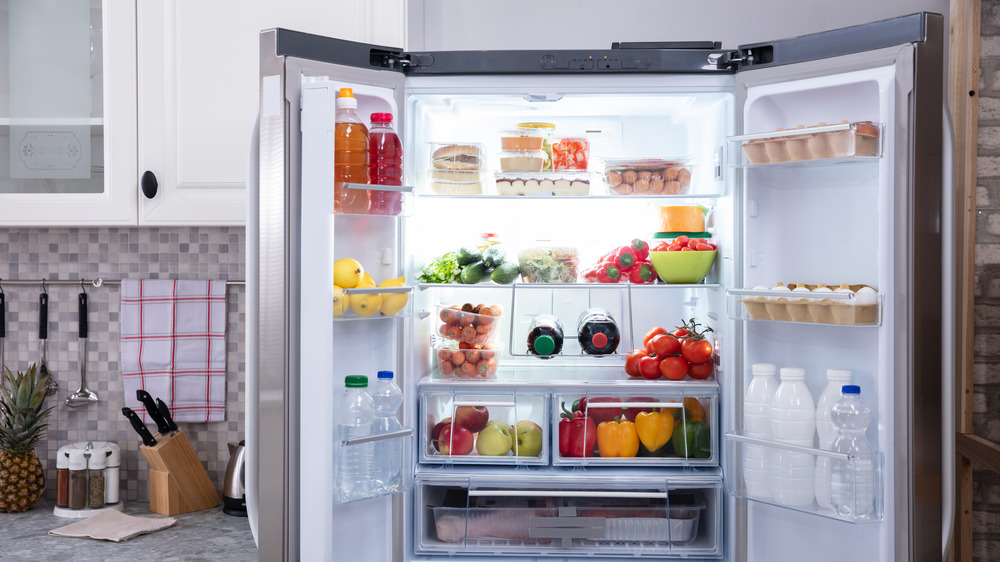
x=282 y=496
x=912 y=253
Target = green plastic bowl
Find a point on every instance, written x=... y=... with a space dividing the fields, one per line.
x=682 y=267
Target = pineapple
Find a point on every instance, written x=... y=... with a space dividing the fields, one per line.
x=22 y=481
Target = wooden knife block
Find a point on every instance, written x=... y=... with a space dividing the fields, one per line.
x=178 y=482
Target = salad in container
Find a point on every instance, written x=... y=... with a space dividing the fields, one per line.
x=549 y=264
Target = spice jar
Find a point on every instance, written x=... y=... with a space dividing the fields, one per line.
x=78 y=491
x=62 y=477
x=95 y=477
x=112 y=473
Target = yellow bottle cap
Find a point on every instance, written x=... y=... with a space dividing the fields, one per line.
x=346 y=93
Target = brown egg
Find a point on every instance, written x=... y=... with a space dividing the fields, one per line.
x=656 y=186
x=672 y=188
x=629 y=176
x=622 y=188
x=684 y=177
x=641 y=186
x=670 y=173
x=645 y=175
x=614 y=178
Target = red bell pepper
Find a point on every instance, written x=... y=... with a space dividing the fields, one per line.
x=577 y=434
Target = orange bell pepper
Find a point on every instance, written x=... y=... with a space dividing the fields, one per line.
x=617 y=439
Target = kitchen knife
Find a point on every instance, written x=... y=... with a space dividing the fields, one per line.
x=140 y=428
x=165 y=412
x=152 y=410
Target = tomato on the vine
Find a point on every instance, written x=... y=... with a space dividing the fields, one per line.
x=696 y=350
x=681 y=333
x=701 y=371
x=632 y=362
x=652 y=332
x=649 y=367
x=663 y=345
x=674 y=368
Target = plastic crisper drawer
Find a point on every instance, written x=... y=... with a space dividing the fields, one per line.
x=492 y=428
x=658 y=521
x=654 y=427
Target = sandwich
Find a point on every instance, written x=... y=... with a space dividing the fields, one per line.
x=456 y=157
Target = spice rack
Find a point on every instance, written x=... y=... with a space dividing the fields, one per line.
x=88 y=479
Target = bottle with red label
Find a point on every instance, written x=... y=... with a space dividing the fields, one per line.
x=598 y=332
x=385 y=165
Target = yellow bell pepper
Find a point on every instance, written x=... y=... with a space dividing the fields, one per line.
x=617 y=439
x=654 y=428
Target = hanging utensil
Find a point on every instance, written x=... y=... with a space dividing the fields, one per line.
x=43 y=339
x=83 y=396
x=3 y=328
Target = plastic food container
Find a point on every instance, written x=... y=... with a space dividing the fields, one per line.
x=464 y=156
x=545 y=129
x=542 y=183
x=647 y=176
x=467 y=364
x=477 y=328
x=549 y=264
x=523 y=138
x=522 y=161
x=571 y=153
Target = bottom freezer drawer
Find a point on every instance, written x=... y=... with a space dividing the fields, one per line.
x=667 y=522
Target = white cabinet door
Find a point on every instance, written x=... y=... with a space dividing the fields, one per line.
x=44 y=193
x=198 y=66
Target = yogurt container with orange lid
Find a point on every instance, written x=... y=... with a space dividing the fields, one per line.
x=546 y=129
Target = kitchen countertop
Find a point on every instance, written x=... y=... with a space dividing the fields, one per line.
x=209 y=535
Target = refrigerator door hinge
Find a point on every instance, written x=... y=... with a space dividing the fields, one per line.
x=398 y=60
x=742 y=58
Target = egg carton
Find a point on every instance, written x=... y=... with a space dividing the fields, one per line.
x=790 y=307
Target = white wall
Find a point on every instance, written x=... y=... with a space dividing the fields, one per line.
x=577 y=24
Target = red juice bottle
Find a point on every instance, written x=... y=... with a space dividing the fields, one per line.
x=385 y=165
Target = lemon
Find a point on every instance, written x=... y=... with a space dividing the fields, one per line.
x=347 y=273
x=392 y=303
x=341 y=301
x=367 y=281
x=365 y=305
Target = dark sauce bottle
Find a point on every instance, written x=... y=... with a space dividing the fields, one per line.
x=545 y=336
x=598 y=332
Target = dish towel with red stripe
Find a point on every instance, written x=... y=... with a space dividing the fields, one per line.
x=173 y=345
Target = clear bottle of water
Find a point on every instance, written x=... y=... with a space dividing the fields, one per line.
x=852 y=481
x=387 y=398
x=354 y=471
x=827 y=432
x=757 y=422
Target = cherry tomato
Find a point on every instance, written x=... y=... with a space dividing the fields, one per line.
x=686 y=249
x=704 y=247
x=674 y=368
x=693 y=244
x=674 y=248
x=696 y=350
x=681 y=333
x=682 y=240
x=632 y=362
x=664 y=345
x=701 y=371
x=649 y=367
x=653 y=332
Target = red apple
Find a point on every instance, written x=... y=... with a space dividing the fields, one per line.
x=436 y=431
x=473 y=418
x=455 y=440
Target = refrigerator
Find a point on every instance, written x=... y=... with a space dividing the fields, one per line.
x=859 y=208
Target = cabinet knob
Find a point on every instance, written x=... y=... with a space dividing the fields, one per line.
x=148 y=184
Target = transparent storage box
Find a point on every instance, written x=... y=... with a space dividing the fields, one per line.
x=462 y=427
x=651 y=430
x=649 y=177
x=561 y=184
x=472 y=363
x=857 y=140
x=854 y=308
x=549 y=264
x=568 y=520
x=793 y=477
x=463 y=323
x=455 y=168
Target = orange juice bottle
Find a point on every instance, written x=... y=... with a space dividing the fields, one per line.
x=350 y=164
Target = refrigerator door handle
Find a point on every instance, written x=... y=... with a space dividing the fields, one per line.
x=947 y=331
x=566 y=493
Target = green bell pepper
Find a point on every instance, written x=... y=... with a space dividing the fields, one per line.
x=692 y=439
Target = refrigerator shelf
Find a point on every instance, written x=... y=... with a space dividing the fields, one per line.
x=750 y=465
x=349 y=313
x=405 y=435
x=521 y=285
x=833 y=308
x=823 y=144
x=404 y=202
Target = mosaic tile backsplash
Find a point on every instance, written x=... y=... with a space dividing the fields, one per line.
x=117 y=253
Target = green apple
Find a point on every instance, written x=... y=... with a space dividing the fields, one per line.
x=529 y=439
x=495 y=439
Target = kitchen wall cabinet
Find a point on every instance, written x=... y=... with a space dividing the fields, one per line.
x=180 y=96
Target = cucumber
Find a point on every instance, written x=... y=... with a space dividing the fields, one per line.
x=494 y=256
x=467 y=256
x=474 y=273
x=506 y=273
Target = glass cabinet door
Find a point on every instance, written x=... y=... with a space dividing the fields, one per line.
x=51 y=97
